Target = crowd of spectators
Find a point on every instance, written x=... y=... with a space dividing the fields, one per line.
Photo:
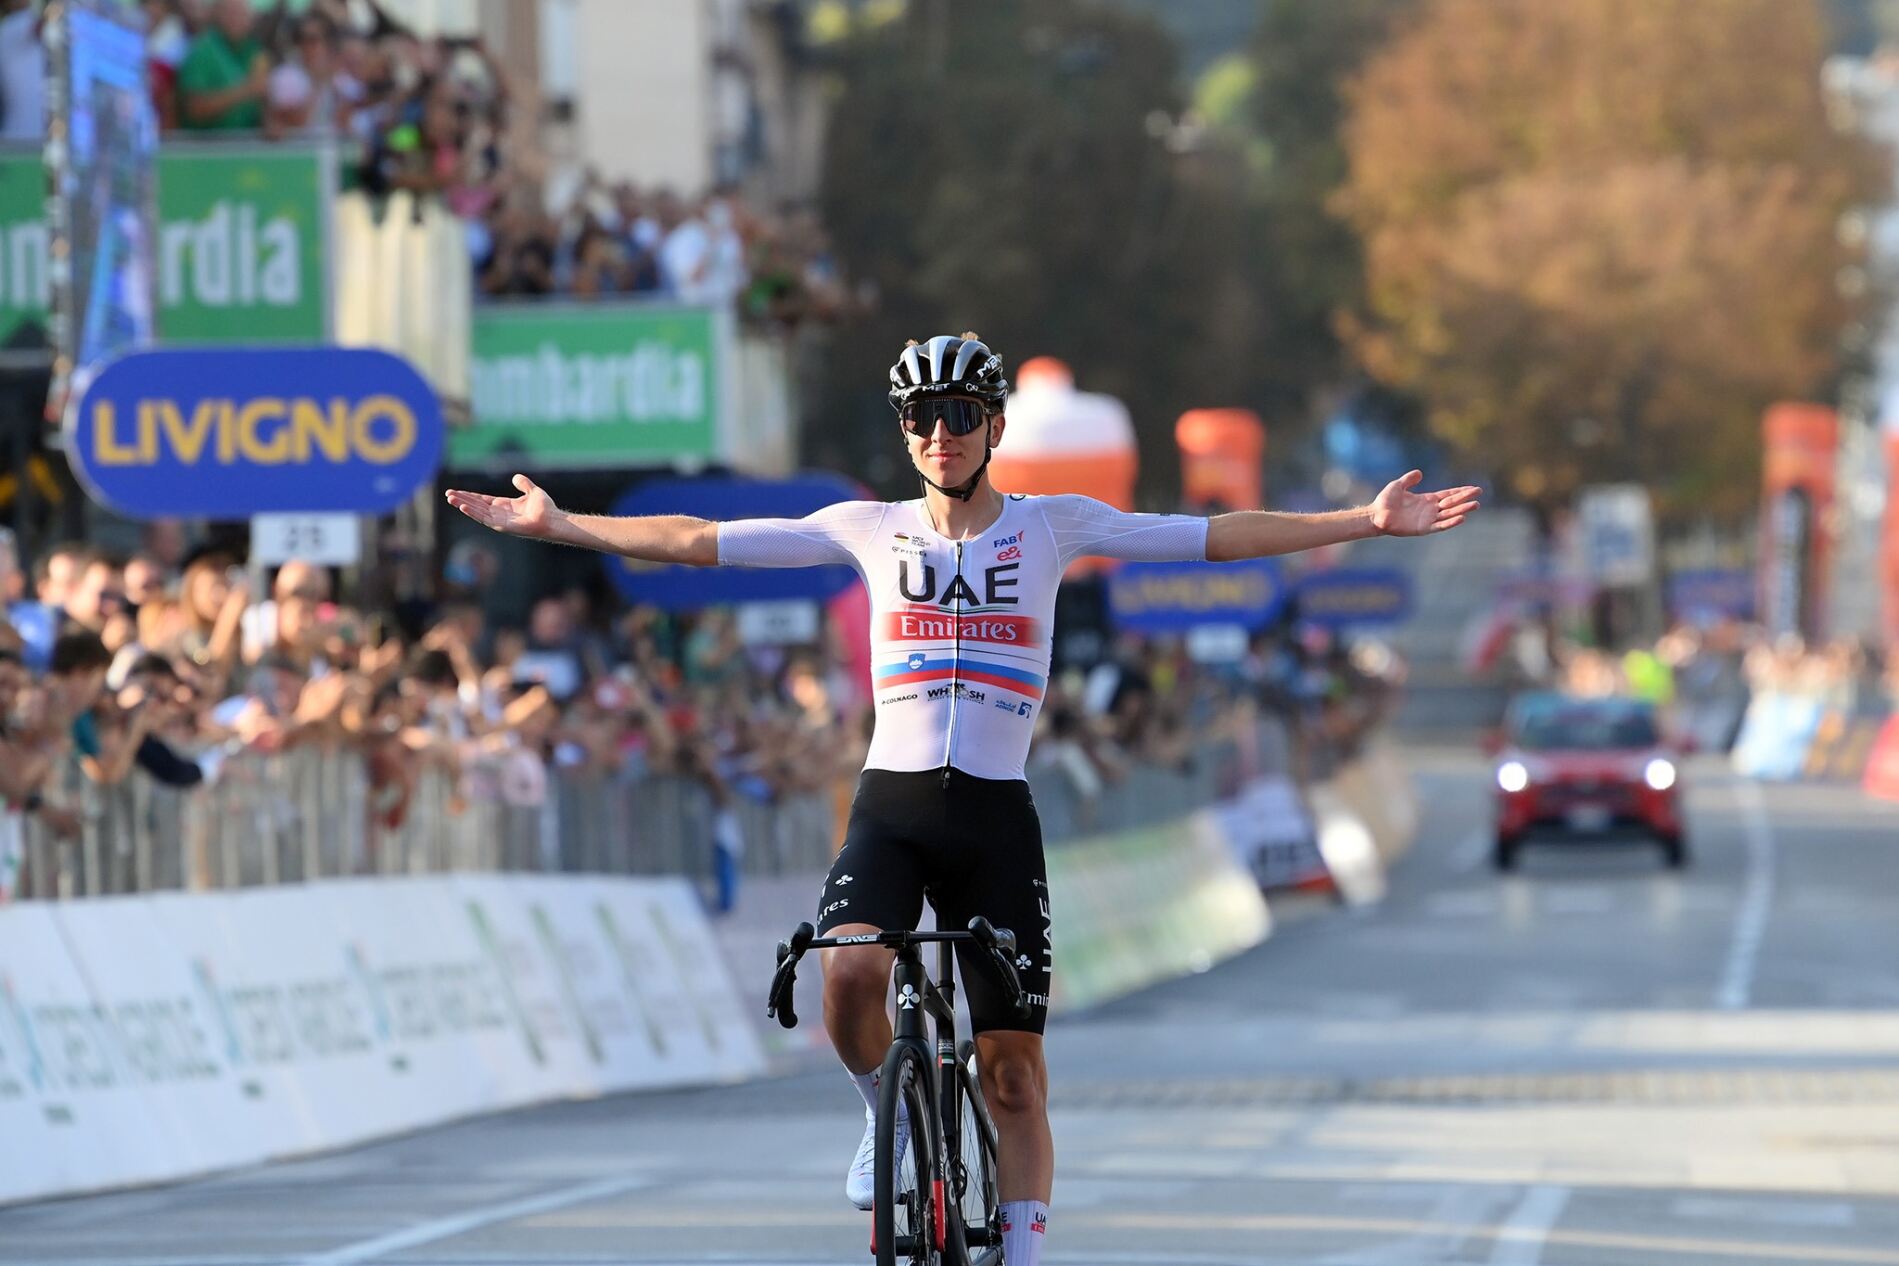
x=617 y=239
x=173 y=665
x=167 y=661
x=434 y=117
x=1703 y=674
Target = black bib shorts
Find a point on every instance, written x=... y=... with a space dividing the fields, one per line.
x=973 y=847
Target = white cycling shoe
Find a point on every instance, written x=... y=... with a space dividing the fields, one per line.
x=861 y=1185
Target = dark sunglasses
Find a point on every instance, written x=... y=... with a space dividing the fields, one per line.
x=958 y=415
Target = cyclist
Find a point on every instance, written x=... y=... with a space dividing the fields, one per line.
x=962 y=583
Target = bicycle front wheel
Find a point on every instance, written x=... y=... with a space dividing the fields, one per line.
x=908 y=1217
x=975 y=1212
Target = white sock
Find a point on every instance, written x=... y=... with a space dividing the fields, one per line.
x=1024 y=1227
x=866 y=1084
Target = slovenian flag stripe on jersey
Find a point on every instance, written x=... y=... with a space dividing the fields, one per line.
x=971 y=669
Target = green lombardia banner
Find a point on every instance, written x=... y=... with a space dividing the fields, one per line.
x=242 y=245
x=242 y=248
x=24 y=283
x=606 y=385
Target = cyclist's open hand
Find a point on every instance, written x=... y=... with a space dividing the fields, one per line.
x=533 y=513
x=1398 y=511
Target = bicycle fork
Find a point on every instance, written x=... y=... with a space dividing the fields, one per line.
x=917 y=998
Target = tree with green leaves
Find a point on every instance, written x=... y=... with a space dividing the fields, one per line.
x=1014 y=169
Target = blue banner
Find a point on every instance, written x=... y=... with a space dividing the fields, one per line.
x=1174 y=597
x=1341 y=597
x=677 y=588
x=1710 y=594
x=226 y=434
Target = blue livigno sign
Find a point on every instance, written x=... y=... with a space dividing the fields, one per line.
x=229 y=433
x=1175 y=597
x=1341 y=597
x=690 y=588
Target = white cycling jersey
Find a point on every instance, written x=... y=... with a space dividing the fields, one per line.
x=960 y=631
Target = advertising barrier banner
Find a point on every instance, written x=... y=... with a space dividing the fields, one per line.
x=1140 y=906
x=70 y=1116
x=601 y=386
x=231 y=433
x=1174 y=597
x=1776 y=733
x=242 y=251
x=1271 y=834
x=152 y=1038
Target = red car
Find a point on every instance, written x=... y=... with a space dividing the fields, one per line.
x=1569 y=766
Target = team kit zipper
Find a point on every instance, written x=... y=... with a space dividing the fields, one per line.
x=956 y=662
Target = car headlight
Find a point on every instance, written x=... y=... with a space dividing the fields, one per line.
x=1659 y=774
x=1513 y=775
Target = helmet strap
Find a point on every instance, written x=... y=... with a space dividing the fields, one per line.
x=967 y=489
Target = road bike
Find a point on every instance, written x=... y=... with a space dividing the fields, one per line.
x=936 y=1204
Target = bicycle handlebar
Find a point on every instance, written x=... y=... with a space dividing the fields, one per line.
x=999 y=942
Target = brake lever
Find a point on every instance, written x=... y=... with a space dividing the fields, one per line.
x=1000 y=942
x=778 y=1004
x=784 y=984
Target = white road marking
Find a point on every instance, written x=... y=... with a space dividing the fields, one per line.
x=1461 y=905
x=1830 y=1213
x=1578 y=901
x=1454 y=1218
x=1757 y=901
x=1520 y=1238
x=445 y=1228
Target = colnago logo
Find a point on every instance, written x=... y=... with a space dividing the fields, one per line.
x=909 y=998
x=898 y=698
x=931 y=624
x=653 y=382
x=229 y=259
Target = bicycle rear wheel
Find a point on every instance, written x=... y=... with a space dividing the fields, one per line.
x=973 y=1202
x=907 y=1219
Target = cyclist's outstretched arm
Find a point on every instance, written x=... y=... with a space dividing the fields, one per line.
x=1397 y=511
x=659 y=538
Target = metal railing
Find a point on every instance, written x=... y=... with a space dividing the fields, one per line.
x=314 y=812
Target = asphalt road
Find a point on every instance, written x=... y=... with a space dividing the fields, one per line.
x=1591 y=1061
